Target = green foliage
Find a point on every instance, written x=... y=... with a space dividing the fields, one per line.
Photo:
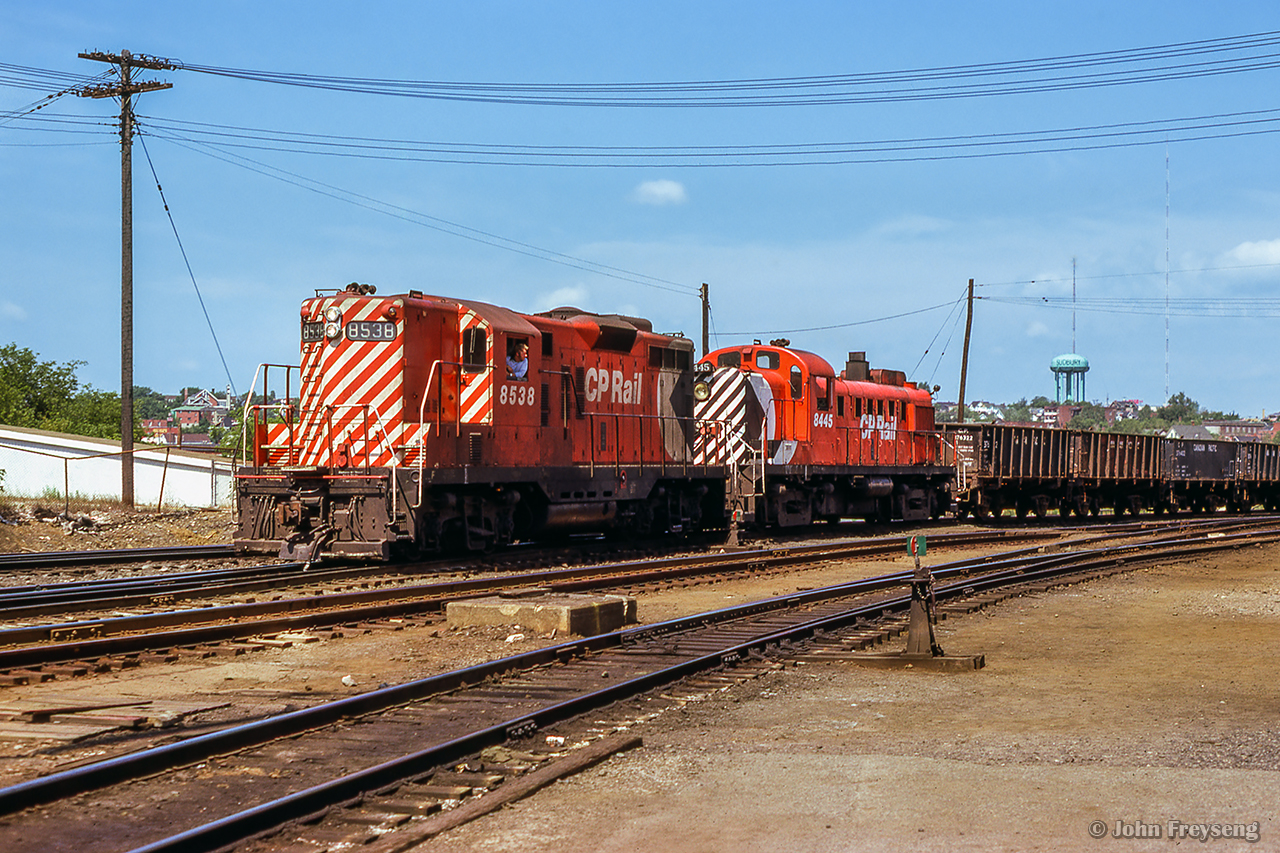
x=1180 y=409
x=34 y=391
x=150 y=404
x=46 y=395
x=1091 y=417
x=1019 y=412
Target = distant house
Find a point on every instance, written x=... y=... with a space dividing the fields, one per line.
x=1123 y=410
x=204 y=407
x=1240 y=430
x=155 y=426
x=1188 y=431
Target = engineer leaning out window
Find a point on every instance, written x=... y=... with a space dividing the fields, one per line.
x=518 y=362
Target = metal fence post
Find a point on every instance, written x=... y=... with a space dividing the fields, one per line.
x=163 y=474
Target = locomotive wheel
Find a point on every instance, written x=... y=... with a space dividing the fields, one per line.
x=1064 y=509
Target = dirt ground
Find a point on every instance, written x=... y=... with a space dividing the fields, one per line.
x=1143 y=703
x=29 y=526
x=1136 y=701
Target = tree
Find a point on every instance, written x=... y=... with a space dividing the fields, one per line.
x=1091 y=416
x=150 y=404
x=1180 y=409
x=46 y=395
x=1019 y=412
x=32 y=391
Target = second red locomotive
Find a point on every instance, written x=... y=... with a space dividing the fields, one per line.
x=810 y=445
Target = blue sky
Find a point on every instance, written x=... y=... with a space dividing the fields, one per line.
x=810 y=251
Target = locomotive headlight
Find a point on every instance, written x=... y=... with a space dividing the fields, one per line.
x=332 y=314
x=332 y=330
x=702 y=391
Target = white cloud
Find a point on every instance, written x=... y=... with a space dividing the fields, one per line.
x=907 y=227
x=1037 y=330
x=12 y=312
x=1260 y=252
x=574 y=295
x=660 y=192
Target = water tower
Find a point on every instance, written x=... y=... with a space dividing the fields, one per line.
x=1072 y=367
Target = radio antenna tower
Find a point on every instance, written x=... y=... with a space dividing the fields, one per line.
x=1166 y=270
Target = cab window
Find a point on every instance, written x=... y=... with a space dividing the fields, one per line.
x=821 y=394
x=729 y=359
x=767 y=360
x=797 y=383
x=475 y=349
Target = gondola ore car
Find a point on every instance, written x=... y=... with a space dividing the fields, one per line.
x=1032 y=469
x=424 y=423
x=808 y=445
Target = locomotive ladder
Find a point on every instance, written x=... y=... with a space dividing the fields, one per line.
x=746 y=476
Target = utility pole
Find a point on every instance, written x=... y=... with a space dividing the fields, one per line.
x=125 y=62
x=705 y=292
x=964 y=359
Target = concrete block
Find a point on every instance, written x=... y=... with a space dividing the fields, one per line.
x=564 y=613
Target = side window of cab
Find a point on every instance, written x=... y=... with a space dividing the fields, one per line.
x=475 y=350
x=797 y=383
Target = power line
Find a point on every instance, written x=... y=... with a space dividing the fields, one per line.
x=1257 y=307
x=433 y=222
x=766 y=332
x=1029 y=281
x=183 y=249
x=1230 y=55
x=1088 y=137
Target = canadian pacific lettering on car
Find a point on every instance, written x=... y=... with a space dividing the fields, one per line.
x=613 y=385
x=872 y=424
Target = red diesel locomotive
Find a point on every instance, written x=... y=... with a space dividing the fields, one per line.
x=807 y=444
x=424 y=423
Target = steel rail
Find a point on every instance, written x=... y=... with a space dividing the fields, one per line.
x=41 y=559
x=199 y=748
x=95 y=638
x=172 y=629
x=230 y=829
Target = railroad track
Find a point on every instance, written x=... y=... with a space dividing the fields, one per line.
x=26 y=561
x=42 y=651
x=341 y=771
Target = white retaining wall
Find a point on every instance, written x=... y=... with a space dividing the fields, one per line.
x=47 y=464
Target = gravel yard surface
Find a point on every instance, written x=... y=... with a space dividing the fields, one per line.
x=1147 y=701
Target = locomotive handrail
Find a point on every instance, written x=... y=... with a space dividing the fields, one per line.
x=387 y=445
x=686 y=453
x=962 y=469
x=424 y=427
x=382 y=427
x=250 y=406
